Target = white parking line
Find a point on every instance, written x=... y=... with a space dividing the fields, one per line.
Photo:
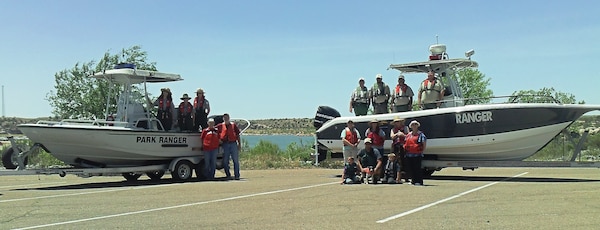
x=178 y=206
x=84 y=193
x=447 y=199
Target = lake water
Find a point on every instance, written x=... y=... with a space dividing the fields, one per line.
x=280 y=140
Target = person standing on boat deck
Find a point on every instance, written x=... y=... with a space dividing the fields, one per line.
x=398 y=134
x=184 y=117
x=210 y=148
x=380 y=95
x=360 y=100
x=369 y=162
x=230 y=137
x=350 y=138
x=431 y=92
x=166 y=109
x=402 y=98
x=415 y=145
x=201 y=110
x=377 y=135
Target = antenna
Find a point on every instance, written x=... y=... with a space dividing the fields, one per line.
x=3 y=114
x=436 y=39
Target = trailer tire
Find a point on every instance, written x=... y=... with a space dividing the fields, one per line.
x=183 y=170
x=9 y=159
x=156 y=175
x=427 y=172
x=131 y=176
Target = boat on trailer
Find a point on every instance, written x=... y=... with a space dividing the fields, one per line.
x=132 y=138
x=458 y=132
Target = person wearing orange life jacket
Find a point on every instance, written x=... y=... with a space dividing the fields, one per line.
x=377 y=135
x=229 y=134
x=201 y=110
x=380 y=96
x=166 y=109
x=360 y=100
x=350 y=139
x=210 y=147
x=402 y=98
x=398 y=134
x=431 y=92
x=184 y=117
x=415 y=144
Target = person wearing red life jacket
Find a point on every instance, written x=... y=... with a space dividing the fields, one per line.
x=184 y=117
x=350 y=139
x=210 y=147
x=415 y=144
x=229 y=134
x=377 y=135
x=431 y=92
x=398 y=134
x=201 y=110
x=166 y=109
x=402 y=97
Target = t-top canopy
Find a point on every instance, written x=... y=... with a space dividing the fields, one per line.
x=136 y=76
x=435 y=65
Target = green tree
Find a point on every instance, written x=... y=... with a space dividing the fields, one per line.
x=544 y=95
x=474 y=86
x=78 y=96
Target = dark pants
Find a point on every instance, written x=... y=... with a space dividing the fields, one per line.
x=165 y=119
x=380 y=108
x=414 y=167
x=401 y=108
x=400 y=157
x=200 y=120
x=360 y=109
x=185 y=122
x=430 y=106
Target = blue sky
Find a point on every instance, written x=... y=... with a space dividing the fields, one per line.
x=282 y=59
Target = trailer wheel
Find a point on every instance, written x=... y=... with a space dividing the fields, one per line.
x=131 y=176
x=183 y=170
x=156 y=175
x=9 y=159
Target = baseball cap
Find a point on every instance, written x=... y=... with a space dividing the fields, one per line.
x=401 y=76
x=368 y=140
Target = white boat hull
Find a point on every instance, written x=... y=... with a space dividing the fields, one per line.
x=111 y=146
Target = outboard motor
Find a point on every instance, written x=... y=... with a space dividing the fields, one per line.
x=324 y=114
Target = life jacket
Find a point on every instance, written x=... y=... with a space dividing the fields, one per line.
x=398 y=140
x=361 y=95
x=199 y=105
x=400 y=89
x=351 y=136
x=161 y=103
x=210 y=139
x=427 y=85
x=185 y=108
x=414 y=143
x=229 y=134
x=379 y=91
x=377 y=140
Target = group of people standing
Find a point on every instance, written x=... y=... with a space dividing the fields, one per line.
x=400 y=99
x=187 y=117
x=193 y=117
x=370 y=165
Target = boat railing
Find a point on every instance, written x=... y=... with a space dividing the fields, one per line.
x=527 y=98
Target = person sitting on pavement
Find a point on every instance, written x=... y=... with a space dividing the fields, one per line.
x=391 y=173
x=369 y=162
x=350 y=175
